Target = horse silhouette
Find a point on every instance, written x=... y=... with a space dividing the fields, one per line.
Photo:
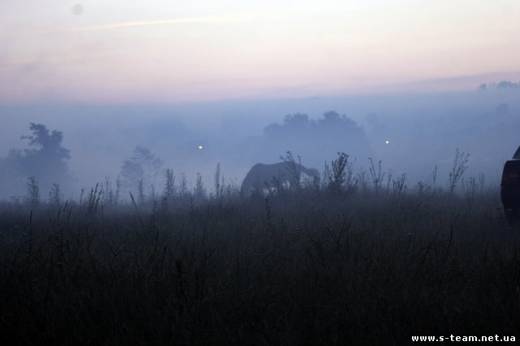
x=287 y=174
x=510 y=188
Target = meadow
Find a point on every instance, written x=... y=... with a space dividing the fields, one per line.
x=354 y=261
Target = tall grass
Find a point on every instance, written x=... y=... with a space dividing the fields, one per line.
x=335 y=265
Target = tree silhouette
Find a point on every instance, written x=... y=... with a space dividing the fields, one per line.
x=45 y=159
x=141 y=169
x=314 y=138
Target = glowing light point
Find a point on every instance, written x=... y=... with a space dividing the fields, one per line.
x=200 y=147
x=387 y=142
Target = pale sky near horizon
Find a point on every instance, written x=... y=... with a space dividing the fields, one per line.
x=167 y=51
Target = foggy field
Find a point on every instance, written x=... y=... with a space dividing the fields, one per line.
x=307 y=266
x=388 y=225
x=259 y=172
x=370 y=229
x=423 y=131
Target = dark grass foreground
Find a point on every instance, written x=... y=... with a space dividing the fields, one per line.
x=306 y=268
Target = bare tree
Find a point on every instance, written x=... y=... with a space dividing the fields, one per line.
x=376 y=174
x=142 y=168
x=33 y=192
x=460 y=165
x=338 y=173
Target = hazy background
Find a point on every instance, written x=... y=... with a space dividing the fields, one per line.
x=205 y=83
